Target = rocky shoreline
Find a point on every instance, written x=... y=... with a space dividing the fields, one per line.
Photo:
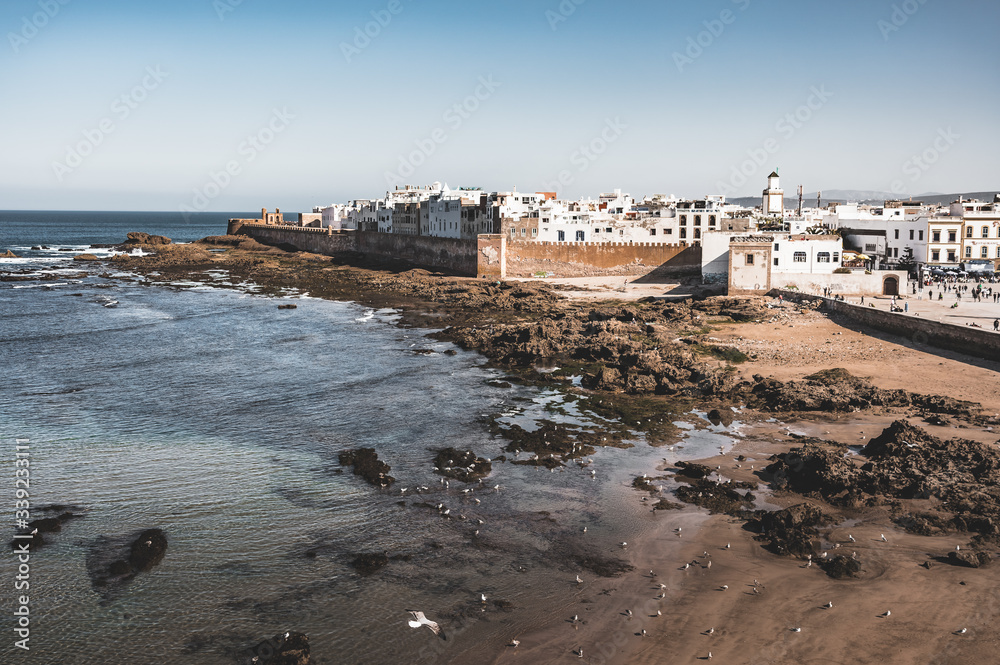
x=644 y=363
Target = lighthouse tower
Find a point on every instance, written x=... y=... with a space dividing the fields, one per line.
x=774 y=197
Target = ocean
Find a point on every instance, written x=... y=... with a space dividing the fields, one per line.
x=206 y=412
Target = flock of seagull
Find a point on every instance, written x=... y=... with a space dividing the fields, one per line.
x=419 y=619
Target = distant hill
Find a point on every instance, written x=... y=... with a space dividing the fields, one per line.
x=861 y=196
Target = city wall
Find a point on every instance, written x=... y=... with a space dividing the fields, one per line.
x=979 y=342
x=524 y=257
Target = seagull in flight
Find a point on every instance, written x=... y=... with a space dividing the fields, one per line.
x=420 y=620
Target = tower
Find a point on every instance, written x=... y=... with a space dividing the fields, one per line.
x=774 y=197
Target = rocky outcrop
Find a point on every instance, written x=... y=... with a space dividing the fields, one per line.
x=792 y=531
x=85 y=257
x=365 y=463
x=462 y=465
x=842 y=567
x=139 y=238
x=8 y=255
x=114 y=562
x=969 y=558
x=288 y=648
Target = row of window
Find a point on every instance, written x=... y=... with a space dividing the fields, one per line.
x=920 y=233
x=697 y=220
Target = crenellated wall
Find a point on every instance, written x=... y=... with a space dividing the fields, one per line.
x=523 y=257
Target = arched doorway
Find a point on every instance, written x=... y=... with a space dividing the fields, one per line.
x=890 y=286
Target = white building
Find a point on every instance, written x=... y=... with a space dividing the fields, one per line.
x=774 y=197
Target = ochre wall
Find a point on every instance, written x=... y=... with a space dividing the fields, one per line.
x=601 y=256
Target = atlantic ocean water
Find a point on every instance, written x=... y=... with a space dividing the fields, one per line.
x=207 y=412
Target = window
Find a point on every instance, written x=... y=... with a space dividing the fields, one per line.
x=968 y=231
x=534 y=233
x=897 y=234
x=951 y=256
x=911 y=234
x=697 y=220
x=579 y=236
x=776 y=247
x=998 y=251
x=823 y=257
x=668 y=231
x=836 y=257
x=607 y=230
x=952 y=236
x=986 y=232
x=968 y=252
x=985 y=253
x=935 y=255
x=561 y=236
x=869 y=249
x=776 y=260
x=697 y=233
x=513 y=232
x=895 y=253
x=749 y=259
x=799 y=257
x=684 y=233
x=597 y=230
x=524 y=232
x=937 y=236
x=920 y=236
x=711 y=220
x=684 y=220
x=652 y=232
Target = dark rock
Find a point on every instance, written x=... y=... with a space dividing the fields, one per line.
x=969 y=558
x=842 y=567
x=139 y=238
x=288 y=306
x=462 y=465
x=721 y=417
x=367 y=465
x=283 y=649
x=692 y=470
x=791 y=531
x=148 y=549
x=369 y=564
x=717 y=497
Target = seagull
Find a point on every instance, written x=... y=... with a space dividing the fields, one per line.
x=643 y=633
x=578 y=580
x=709 y=657
x=624 y=544
x=661 y=595
x=659 y=613
x=420 y=620
x=514 y=643
x=628 y=613
x=728 y=545
x=576 y=617
x=585 y=529
x=710 y=631
x=884 y=539
x=686 y=566
x=708 y=565
x=828 y=605
x=851 y=538
x=579 y=652
x=652 y=573
x=482 y=598
x=887 y=613
x=724 y=587
x=961 y=632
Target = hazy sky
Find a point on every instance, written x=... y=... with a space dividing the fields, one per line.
x=142 y=105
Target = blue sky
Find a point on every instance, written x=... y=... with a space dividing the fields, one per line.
x=145 y=105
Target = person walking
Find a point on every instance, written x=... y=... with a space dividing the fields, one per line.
x=996 y=324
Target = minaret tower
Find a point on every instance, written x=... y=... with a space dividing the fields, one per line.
x=774 y=197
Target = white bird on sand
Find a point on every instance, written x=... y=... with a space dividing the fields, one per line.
x=709 y=656
x=420 y=620
x=710 y=631
x=961 y=632
x=662 y=586
x=724 y=587
x=828 y=605
x=576 y=617
x=851 y=538
x=624 y=544
x=958 y=548
x=579 y=652
x=796 y=630
x=728 y=545
x=887 y=613
x=514 y=643
x=585 y=529
x=628 y=613
x=661 y=595
x=578 y=580
x=643 y=633
x=686 y=566
x=708 y=565
x=482 y=597
x=884 y=539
